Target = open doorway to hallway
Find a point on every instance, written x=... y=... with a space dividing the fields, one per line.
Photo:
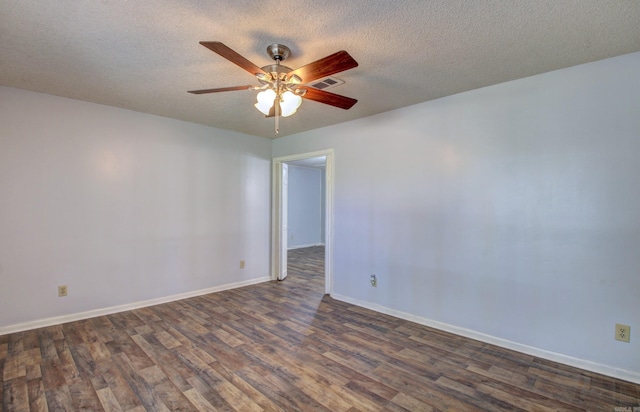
x=306 y=218
x=302 y=216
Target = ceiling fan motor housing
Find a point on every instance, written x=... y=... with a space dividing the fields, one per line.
x=276 y=71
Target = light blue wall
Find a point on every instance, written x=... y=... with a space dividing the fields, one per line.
x=122 y=207
x=512 y=211
x=305 y=218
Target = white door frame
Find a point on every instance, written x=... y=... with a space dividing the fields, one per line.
x=282 y=182
x=328 y=223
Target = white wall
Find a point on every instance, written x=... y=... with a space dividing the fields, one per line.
x=122 y=207
x=510 y=212
x=305 y=207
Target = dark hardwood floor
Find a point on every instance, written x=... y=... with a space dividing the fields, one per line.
x=282 y=346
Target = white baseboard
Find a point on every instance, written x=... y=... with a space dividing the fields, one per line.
x=468 y=333
x=121 y=308
x=303 y=246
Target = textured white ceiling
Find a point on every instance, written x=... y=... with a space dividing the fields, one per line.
x=144 y=55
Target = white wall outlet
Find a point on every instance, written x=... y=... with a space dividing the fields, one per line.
x=242 y=264
x=374 y=281
x=623 y=332
x=62 y=291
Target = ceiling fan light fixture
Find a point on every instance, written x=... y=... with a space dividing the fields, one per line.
x=265 y=101
x=289 y=103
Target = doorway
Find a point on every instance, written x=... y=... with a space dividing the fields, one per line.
x=279 y=228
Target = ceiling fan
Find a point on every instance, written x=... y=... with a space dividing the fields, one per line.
x=282 y=88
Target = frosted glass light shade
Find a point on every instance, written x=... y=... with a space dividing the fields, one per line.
x=265 y=101
x=289 y=103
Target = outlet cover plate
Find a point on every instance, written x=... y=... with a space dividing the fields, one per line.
x=623 y=332
x=62 y=291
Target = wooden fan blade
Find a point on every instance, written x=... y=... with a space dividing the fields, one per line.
x=232 y=56
x=332 y=99
x=221 y=89
x=335 y=63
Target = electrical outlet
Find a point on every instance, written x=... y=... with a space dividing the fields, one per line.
x=62 y=291
x=623 y=332
x=242 y=264
x=374 y=281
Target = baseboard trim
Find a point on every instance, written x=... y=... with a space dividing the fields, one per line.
x=468 y=333
x=20 y=327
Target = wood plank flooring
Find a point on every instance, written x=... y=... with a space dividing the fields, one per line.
x=282 y=346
